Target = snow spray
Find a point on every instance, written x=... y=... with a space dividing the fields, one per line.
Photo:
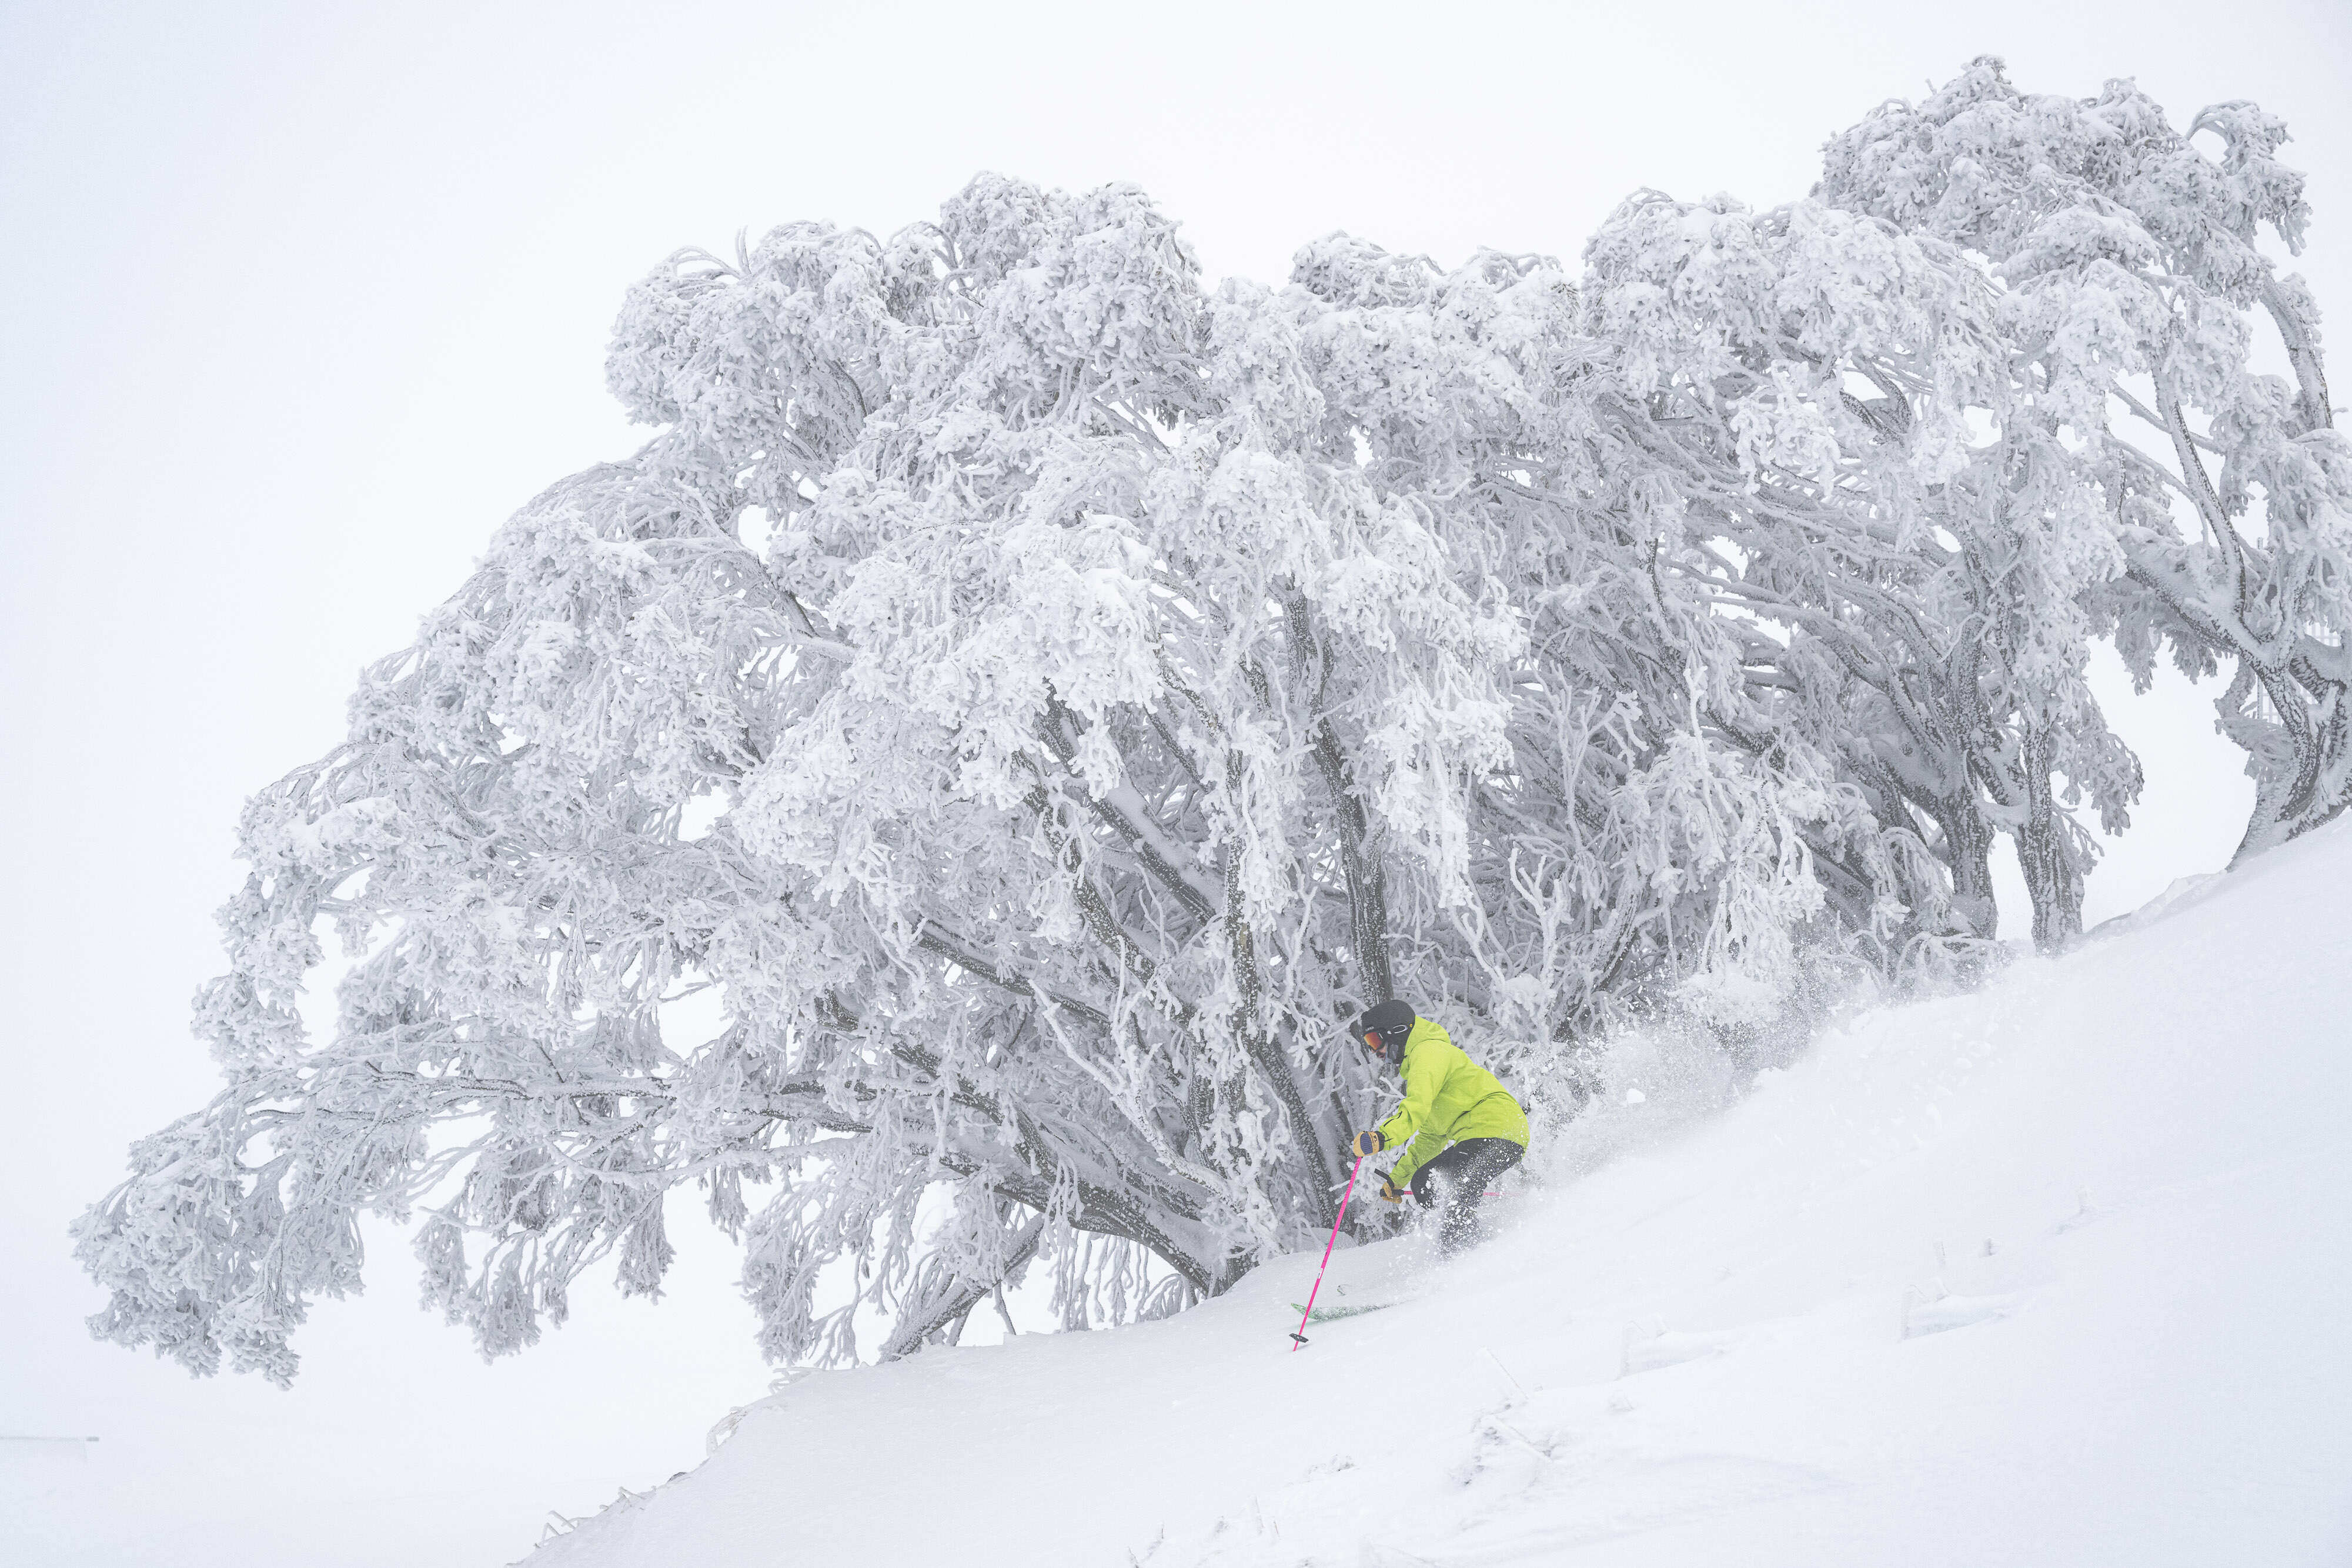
x=1300 y=1337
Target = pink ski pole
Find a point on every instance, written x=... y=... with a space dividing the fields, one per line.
x=1300 y=1337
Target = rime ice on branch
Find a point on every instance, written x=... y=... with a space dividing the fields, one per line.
x=1039 y=698
x=2131 y=297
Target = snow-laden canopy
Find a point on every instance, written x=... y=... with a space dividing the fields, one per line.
x=1038 y=699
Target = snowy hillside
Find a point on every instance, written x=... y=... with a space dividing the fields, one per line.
x=2052 y=1274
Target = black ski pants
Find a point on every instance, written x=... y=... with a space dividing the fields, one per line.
x=1458 y=1178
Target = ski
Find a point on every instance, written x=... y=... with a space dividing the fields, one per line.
x=1333 y=1315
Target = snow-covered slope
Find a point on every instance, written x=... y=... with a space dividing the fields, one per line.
x=2054 y=1274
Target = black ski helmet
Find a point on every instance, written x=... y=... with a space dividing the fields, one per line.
x=1392 y=1021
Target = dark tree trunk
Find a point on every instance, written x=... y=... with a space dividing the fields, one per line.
x=2048 y=855
x=1967 y=851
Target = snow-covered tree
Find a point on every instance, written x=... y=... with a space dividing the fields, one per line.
x=1039 y=700
x=1852 y=460
x=941 y=799
x=1628 y=846
x=2129 y=291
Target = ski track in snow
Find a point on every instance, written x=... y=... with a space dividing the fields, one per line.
x=2052 y=1274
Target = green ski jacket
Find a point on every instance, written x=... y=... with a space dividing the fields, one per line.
x=1447 y=1098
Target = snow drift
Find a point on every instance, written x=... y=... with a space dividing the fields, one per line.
x=2052 y=1274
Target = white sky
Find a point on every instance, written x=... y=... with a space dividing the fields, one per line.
x=304 y=299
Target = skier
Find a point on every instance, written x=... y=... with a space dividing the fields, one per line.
x=1451 y=1104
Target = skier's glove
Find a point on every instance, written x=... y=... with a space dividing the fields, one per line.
x=1368 y=1144
x=1391 y=1192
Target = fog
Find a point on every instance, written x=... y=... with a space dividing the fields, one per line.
x=304 y=300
